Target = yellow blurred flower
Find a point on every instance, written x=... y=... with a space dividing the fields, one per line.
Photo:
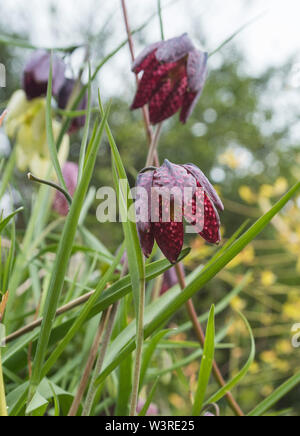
x=26 y=123
x=266 y=191
x=268 y=357
x=238 y=304
x=230 y=159
x=254 y=368
x=268 y=278
x=284 y=346
x=247 y=194
x=281 y=186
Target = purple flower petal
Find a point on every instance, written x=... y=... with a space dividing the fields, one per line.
x=70 y=173
x=197 y=70
x=142 y=61
x=205 y=184
x=174 y=49
x=36 y=74
x=63 y=99
x=145 y=230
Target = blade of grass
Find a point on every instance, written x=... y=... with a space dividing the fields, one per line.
x=276 y=396
x=206 y=364
x=230 y=385
x=62 y=260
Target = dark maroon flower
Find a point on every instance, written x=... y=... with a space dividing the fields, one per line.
x=70 y=173
x=160 y=222
x=173 y=79
x=63 y=99
x=36 y=74
x=170 y=279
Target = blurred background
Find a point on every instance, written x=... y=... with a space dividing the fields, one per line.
x=244 y=134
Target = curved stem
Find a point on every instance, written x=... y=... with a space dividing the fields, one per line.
x=32 y=178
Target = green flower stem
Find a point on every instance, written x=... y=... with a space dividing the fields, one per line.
x=153 y=146
x=32 y=178
x=160 y=20
x=3 y=407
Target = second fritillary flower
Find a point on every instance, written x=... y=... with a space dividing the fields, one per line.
x=174 y=74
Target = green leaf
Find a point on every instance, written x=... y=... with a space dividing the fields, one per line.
x=6 y=221
x=206 y=364
x=37 y=406
x=230 y=385
x=62 y=260
x=277 y=395
x=134 y=253
x=81 y=318
x=149 y=351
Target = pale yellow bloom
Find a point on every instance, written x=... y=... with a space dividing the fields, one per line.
x=247 y=195
x=26 y=123
x=268 y=278
x=230 y=159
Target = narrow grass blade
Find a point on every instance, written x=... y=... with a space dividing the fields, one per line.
x=276 y=396
x=62 y=260
x=206 y=364
x=230 y=385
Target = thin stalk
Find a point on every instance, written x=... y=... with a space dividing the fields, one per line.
x=90 y=363
x=3 y=406
x=153 y=146
x=139 y=350
x=201 y=338
x=145 y=110
x=106 y=339
x=160 y=20
x=32 y=178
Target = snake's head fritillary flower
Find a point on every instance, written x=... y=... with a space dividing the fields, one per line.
x=166 y=192
x=70 y=173
x=63 y=99
x=36 y=74
x=174 y=74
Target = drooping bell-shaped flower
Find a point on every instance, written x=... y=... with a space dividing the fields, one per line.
x=63 y=99
x=70 y=173
x=168 y=195
x=36 y=74
x=174 y=74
